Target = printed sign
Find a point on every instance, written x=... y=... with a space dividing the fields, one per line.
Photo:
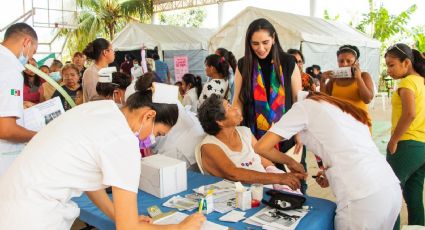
x=181 y=66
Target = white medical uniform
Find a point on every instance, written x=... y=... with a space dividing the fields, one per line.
x=190 y=100
x=11 y=102
x=88 y=148
x=181 y=141
x=358 y=174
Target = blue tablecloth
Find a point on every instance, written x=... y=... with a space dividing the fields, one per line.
x=321 y=215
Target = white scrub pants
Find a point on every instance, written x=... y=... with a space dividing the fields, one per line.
x=377 y=211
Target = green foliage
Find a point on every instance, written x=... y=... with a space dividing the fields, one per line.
x=188 y=18
x=419 y=37
x=328 y=17
x=142 y=9
x=103 y=18
x=381 y=24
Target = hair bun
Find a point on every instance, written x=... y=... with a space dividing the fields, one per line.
x=144 y=83
x=89 y=50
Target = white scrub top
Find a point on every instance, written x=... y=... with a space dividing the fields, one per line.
x=181 y=141
x=356 y=169
x=190 y=100
x=88 y=148
x=11 y=102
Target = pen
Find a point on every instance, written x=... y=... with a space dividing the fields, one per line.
x=201 y=203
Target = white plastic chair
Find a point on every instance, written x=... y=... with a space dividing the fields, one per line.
x=198 y=158
x=377 y=94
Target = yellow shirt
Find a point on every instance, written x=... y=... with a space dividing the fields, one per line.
x=351 y=94
x=416 y=130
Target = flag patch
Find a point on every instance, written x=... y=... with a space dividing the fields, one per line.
x=15 y=92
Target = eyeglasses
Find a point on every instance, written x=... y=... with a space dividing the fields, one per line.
x=299 y=61
x=398 y=48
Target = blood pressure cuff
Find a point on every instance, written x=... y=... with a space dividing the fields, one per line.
x=284 y=201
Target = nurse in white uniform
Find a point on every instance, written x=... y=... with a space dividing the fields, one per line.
x=367 y=192
x=89 y=148
x=19 y=44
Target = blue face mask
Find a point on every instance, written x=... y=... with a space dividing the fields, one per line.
x=55 y=76
x=24 y=59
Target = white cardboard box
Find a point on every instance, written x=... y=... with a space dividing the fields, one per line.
x=162 y=176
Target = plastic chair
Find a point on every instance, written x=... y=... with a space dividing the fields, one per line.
x=377 y=94
x=198 y=157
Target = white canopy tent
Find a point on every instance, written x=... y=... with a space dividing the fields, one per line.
x=170 y=40
x=46 y=17
x=317 y=38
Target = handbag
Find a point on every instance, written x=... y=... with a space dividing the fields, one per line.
x=284 y=201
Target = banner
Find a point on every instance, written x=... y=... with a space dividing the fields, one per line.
x=181 y=66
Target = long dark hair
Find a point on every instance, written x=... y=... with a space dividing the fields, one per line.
x=194 y=81
x=402 y=52
x=37 y=80
x=250 y=58
x=165 y=113
x=219 y=63
x=228 y=56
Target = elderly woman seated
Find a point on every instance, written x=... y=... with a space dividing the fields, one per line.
x=227 y=151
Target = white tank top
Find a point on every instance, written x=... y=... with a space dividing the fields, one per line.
x=246 y=158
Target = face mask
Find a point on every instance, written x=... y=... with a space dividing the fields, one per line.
x=136 y=65
x=55 y=76
x=22 y=59
x=148 y=141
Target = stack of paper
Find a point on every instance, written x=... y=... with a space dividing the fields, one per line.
x=270 y=218
x=233 y=216
x=181 y=203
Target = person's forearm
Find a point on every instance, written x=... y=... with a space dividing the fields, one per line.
x=276 y=156
x=16 y=134
x=402 y=126
x=365 y=94
x=250 y=176
x=266 y=162
x=101 y=199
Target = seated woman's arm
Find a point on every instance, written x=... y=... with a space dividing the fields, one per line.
x=215 y=162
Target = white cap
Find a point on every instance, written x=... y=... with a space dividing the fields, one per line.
x=302 y=95
x=105 y=74
x=165 y=94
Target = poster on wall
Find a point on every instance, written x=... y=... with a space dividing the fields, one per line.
x=181 y=66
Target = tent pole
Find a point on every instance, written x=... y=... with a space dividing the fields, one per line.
x=313 y=8
x=155 y=18
x=220 y=13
